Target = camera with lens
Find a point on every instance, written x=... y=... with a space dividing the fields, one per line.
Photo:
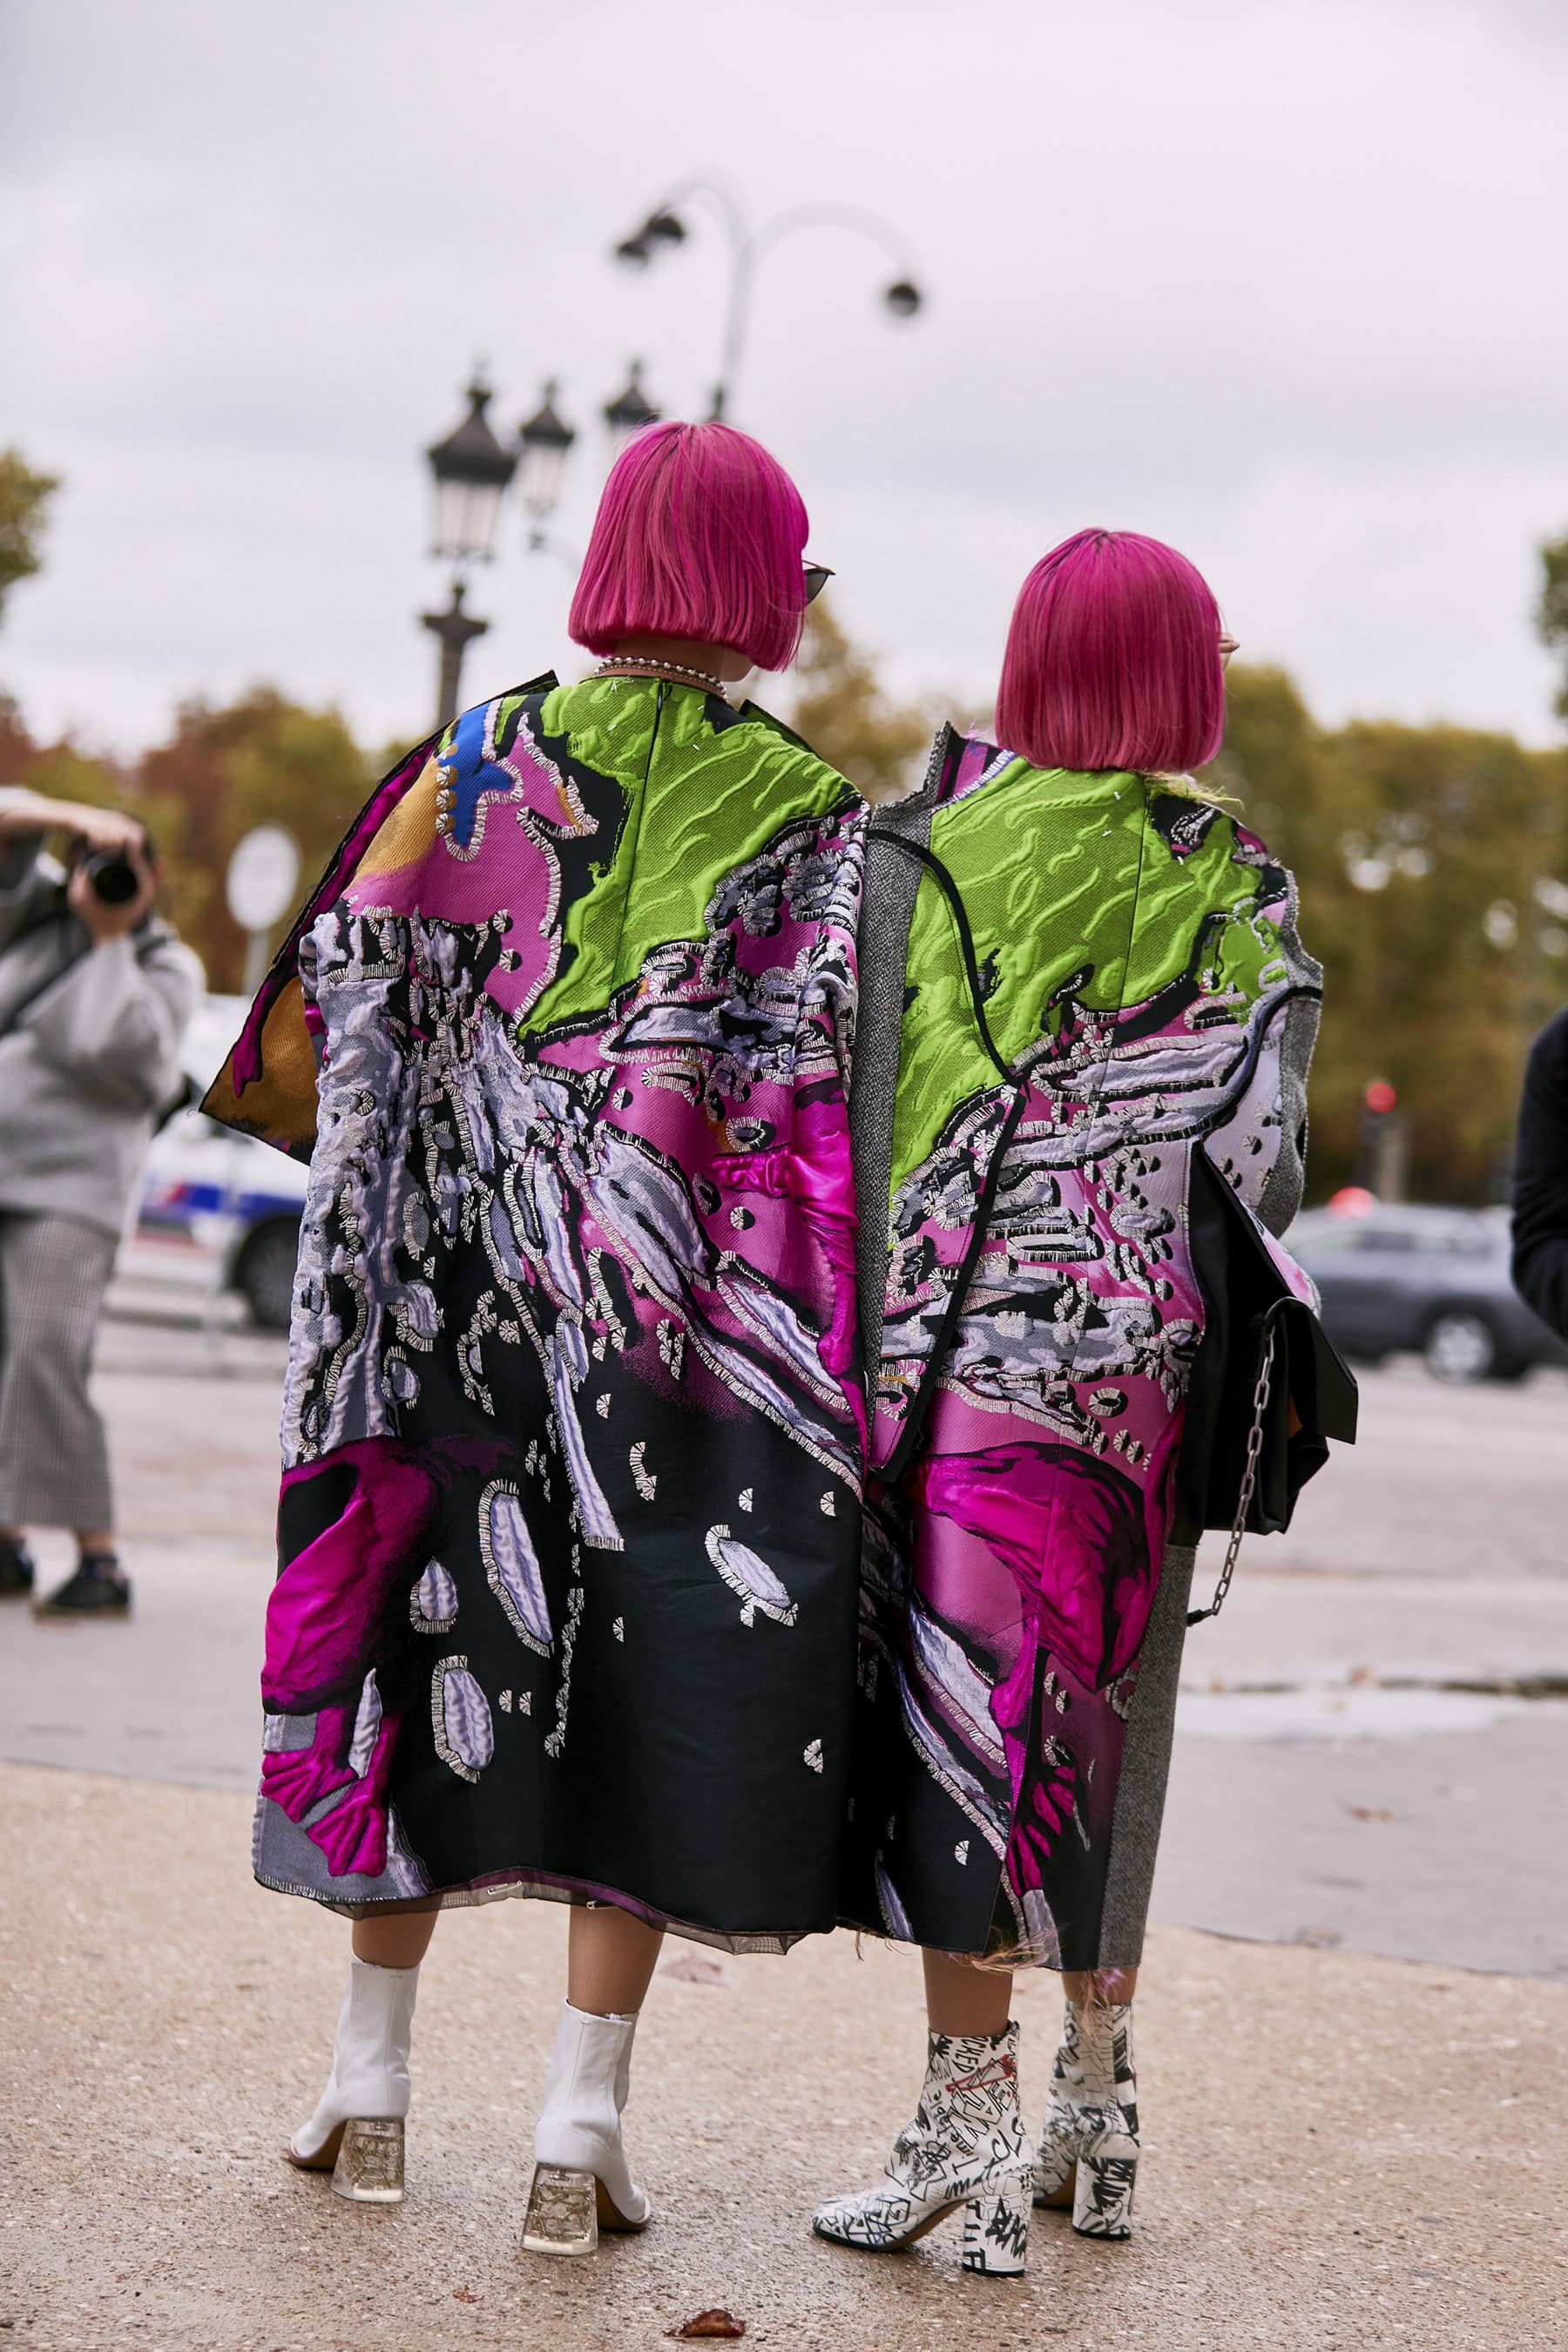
x=112 y=878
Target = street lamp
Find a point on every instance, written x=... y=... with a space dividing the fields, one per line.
x=543 y=441
x=471 y=472
x=901 y=296
x=630 y=410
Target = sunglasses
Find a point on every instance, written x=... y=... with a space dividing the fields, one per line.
x=817 y=576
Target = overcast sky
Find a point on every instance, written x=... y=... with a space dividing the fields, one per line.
x=1279 y=280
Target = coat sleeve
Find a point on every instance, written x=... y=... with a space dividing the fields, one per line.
x=115 y=1019
x=1261 y=1146
x=1540 y=1180
x=29 y=881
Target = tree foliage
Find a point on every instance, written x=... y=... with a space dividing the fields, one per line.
x=261 y=760
x=24 y=501
x=844 y=715
x=1432 y=861
x=1433 y=867
x=1551 y=611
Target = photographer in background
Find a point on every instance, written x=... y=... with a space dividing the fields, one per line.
x=95 y=993
x=1540 y=1180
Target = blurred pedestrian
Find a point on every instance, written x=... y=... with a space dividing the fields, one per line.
x=1081 y=1055
x=1540 y=1180
x=95 y=993
x=569 y=1533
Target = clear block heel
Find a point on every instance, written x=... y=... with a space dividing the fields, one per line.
x=369 y=2167
x=562 y=2216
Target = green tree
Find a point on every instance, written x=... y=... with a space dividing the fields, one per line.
x=24 y=501
x=1433 y=866
x=62 y=771
x=262 y=760
x=1551 y=611
x=844 y=715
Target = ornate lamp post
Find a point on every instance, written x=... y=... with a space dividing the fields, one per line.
x=471 y=472
x=665 y=228
x=630 y=410
x=543 y=440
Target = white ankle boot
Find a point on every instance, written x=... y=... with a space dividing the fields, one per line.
x=357 y=2128
x=581 y=2183
x=1088 y=2145
x=965 y=2148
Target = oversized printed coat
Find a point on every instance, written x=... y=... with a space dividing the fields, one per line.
x=573 y=1430
x=1084 y=999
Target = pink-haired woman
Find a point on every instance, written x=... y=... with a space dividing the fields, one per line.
x=1082 y=1048
x=573 y=1431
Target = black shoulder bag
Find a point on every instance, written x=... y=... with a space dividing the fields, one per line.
x=1264 y=1361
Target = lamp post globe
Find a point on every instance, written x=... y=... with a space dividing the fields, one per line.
x=543 y=440
x=630 y=410
x=471 y=472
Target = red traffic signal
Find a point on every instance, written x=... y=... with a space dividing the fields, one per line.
x=1381 y=1097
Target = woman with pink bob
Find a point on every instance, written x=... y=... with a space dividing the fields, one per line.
x=1080 y=1106
x=573 y=1428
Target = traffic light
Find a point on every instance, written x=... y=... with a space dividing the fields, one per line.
x=1380 y=1163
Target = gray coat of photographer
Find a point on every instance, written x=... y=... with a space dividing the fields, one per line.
x=95 y=996
x=95 y=993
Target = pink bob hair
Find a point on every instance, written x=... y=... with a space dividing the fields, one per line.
x=1113 y=659
x=699 y=534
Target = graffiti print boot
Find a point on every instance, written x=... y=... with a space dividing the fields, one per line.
x=1088 y=2144
x=356 y=2132
x=965 y=2148
x=581 y=2180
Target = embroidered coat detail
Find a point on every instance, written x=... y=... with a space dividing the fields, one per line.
x=1098 y=972
x=573 y=1430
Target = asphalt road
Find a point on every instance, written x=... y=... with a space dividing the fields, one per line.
x=1363 y=1762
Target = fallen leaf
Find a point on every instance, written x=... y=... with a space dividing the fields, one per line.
x=465 y=2295
x=709 y=2323
x=692 y=1967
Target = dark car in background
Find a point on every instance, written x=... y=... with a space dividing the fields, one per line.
x=1432 y=1280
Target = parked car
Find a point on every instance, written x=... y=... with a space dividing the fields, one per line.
x=1436 y=1280
x=234 y=1200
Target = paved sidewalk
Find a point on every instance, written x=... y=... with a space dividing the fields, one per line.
x=1330 y=1784
x=1341 y=2153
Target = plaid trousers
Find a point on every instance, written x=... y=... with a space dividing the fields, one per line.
x=53 y=1461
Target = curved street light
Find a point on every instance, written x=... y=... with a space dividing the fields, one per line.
x=663 y=227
